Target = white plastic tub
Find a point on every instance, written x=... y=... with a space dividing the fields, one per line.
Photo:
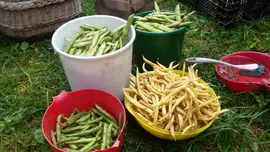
x=108 y=72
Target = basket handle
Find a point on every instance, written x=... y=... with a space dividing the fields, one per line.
x=18 y=6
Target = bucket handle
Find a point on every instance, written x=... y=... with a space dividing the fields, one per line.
x=59 y=96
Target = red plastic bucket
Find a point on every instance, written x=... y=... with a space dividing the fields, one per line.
x=84 y=99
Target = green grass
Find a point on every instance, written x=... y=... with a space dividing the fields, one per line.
x=31 y=75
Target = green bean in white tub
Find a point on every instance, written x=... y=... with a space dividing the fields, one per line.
x=97 y=41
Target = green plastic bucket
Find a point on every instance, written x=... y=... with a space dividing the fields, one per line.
x=162 y=47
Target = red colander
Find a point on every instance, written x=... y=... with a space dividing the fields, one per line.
x=83 y=100
x=232 y=77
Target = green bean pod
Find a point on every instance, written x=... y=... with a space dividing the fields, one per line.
x=116 y=30
x=67 y=139
x=126 y=29
x=148 y=27
x=109 y=136
x=99 y=133
x=116 y=36
x=93 y=130
x=89 y=27
x=78 y=52
x=185 y=24
x=71 y=129
x=58 y=127
x=74 y=38
x=187 y=16
x=103 y=112
x=120 y=43
x=83 y=40
x=139 y=18
x=110 y=44
x=72 y=52
x=53 y=138
x=81 y=140
x=140 y=28
x=72 y=146
x=156 y=7
x=81 y=44
x=91 y=48
x=101 y=49
x=92 y=121
x=83 y=118
x=161 y=27
x=104 y=139
x=102 y=31
x=106 y=118
x=107 y=49
x=115 y=133
x=93 y=116
x=93 y=147
x=177 y=12
x=69 y=150
x=90 y=34
x=83 y=53
x=102 y=36
x=86 y=147
x=171 y=17
x=74 y=119
x=153 y=18
x=106 y=39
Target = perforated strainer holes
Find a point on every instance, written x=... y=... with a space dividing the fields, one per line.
x=228 y=72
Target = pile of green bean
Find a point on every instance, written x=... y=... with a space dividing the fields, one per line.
x=86 y=131
x=96 y=41
x=159 y=21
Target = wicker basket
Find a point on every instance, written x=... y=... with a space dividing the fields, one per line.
x=24 y=19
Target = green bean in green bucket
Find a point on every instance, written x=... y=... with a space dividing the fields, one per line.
x=160 y=35
x=163 y=21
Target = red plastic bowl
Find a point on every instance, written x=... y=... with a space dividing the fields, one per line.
x=242 y=84
x=84 y=99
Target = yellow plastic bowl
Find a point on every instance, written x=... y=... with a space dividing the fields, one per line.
x=165 y=134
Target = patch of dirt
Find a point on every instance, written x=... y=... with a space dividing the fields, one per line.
x=204 y=52
x=211 y=28
x=210 y=148
x=254 y=129
x=22 y=87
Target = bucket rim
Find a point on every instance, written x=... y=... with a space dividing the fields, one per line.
x=182 y=29
x=124 y=48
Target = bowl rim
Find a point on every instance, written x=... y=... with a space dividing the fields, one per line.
x=124 y=48
x=224 y=79
x=166 y=132
x=88 y=89
x=182 y=29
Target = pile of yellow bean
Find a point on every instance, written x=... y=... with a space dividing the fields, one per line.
x=170 y=101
